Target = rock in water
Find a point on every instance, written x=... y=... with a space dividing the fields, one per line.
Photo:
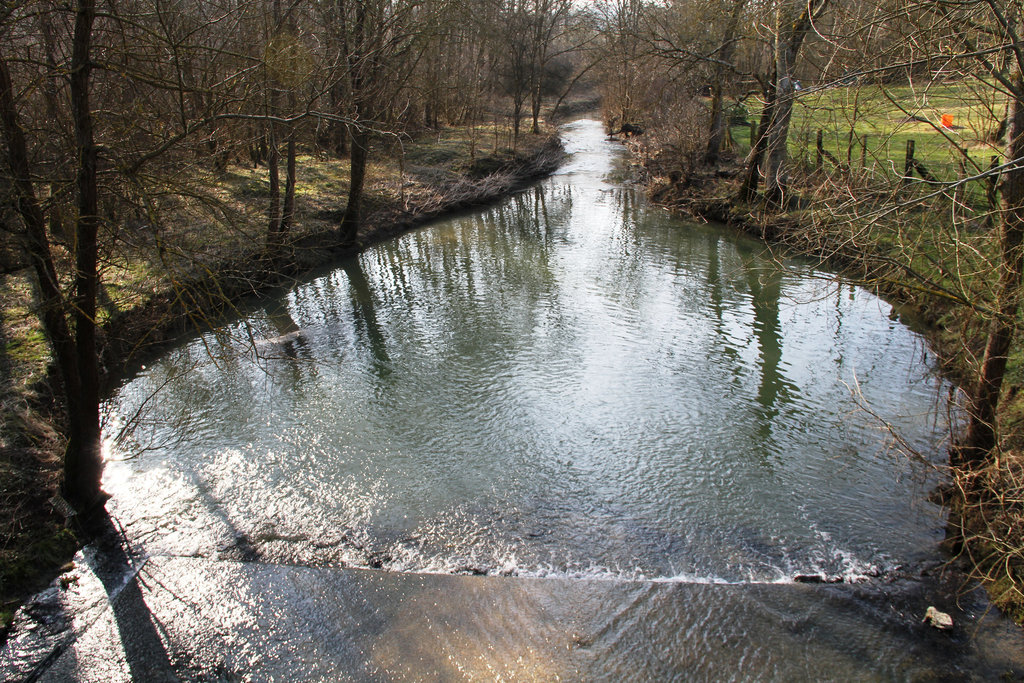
x=939 y=620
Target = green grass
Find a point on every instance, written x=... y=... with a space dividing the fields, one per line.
x=30 y=348
x=946 y=239
x=888 y=116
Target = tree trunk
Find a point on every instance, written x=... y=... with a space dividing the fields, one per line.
x=787 y=45
x=535 y=103
x=981 y=437
x=716 y=133
x=342 y=89
x=770 y=152
x=360 y=147
x=353 y=209
x=53 y=313
x=517 y=117
x=51 y=96
x=776 y=179
x=83 y=463
x=274 y=173
x=288 y=209
x=753 y=177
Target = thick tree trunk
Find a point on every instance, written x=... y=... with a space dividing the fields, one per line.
x=789 y=35
x=353 y=210
x=753 y=176
x=981 y=437
x=53 y=313
x=716 y=131
x=776 y=179
x=83 y=464
x=360 y=147
x=791 y=26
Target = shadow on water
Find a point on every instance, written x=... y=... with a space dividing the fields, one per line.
x=139 y=632
x=143 y=645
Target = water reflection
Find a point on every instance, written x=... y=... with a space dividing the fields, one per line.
x=365 y=318
x=774 y=390
x=569 y=383
x=723 y=344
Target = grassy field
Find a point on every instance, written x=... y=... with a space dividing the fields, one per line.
x=886 y=117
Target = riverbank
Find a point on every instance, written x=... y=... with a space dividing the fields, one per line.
x=166 y=281
x=986 y=527
x=269 y=485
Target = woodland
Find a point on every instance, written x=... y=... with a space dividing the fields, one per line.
x=163 y=159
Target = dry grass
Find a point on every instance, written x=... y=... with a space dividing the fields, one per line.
x=990 y=513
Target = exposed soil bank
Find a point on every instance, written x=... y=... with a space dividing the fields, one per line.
x=36 y=539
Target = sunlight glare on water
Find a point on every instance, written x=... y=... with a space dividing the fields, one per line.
x=572 y=383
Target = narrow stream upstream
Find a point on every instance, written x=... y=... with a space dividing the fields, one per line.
x=570 y=385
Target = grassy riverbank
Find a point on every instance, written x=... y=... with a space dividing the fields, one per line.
x=908 y=261
x=184 y=271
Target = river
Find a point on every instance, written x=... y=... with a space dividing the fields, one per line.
x=572 y=385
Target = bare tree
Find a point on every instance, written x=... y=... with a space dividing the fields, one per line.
x=69 y=325
x=721 y=67
x=382 y=52
x=767 y=159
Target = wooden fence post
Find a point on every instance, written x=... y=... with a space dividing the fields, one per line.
x=908 y=166
x=864 y=152
x=819 y=148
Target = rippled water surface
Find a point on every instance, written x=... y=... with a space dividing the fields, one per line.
x=570 y=383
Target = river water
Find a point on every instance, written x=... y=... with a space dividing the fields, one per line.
x=571 y=384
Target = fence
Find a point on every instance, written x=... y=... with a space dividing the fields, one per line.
x=884 y=163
